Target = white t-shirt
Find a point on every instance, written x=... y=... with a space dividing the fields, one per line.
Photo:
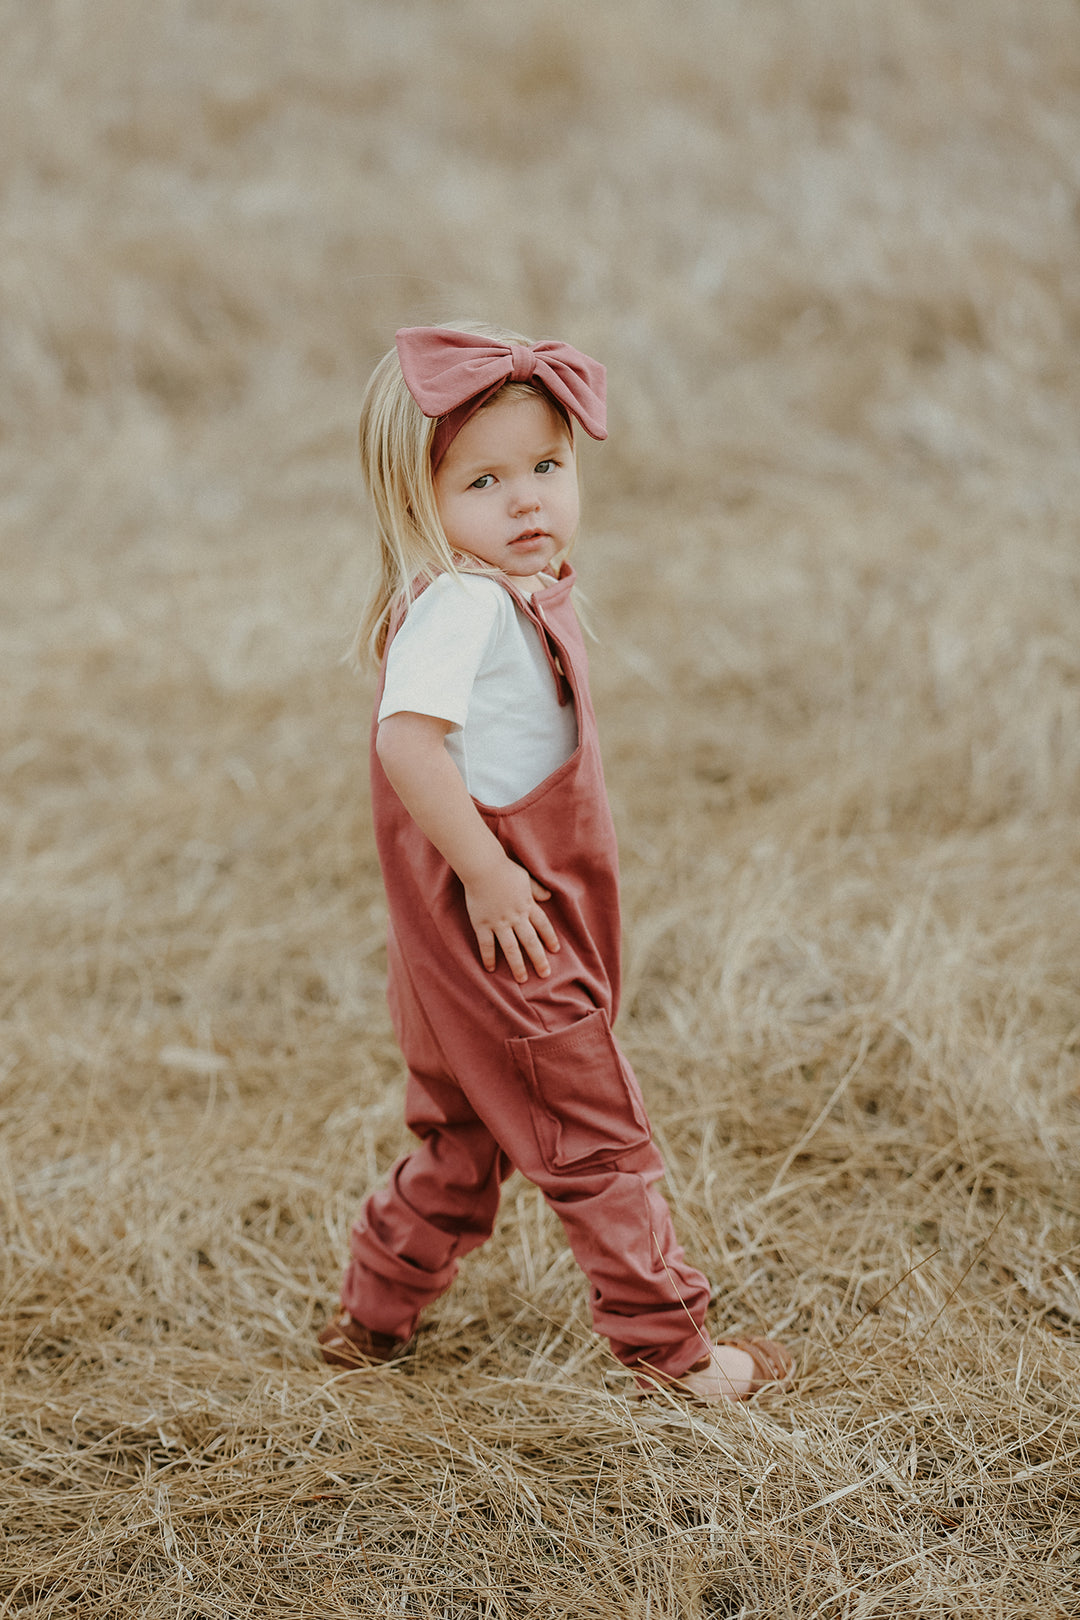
x=466 y=653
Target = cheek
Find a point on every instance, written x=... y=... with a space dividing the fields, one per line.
x=450 y=515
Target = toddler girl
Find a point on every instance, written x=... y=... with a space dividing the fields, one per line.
x=498 y=855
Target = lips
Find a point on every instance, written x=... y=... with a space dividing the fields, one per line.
x=530 y=534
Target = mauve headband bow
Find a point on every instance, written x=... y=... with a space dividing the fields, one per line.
x=450 y=374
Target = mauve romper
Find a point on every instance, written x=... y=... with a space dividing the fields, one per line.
x=504 y=1076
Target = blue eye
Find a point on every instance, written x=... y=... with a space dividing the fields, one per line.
x=484 y=481
x=545 y=466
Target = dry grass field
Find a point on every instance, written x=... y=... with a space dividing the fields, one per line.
x=830 y=252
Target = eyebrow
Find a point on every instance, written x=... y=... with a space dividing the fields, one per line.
x=548 y=452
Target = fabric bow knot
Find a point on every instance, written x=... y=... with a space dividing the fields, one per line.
x=451 y=374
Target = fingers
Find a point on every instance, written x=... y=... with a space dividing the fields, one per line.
x=508 y=941
x=506 y=915
x=539 y=932
x=486 y=941
x=524 y=937
x=514 y=960
x=545 y=928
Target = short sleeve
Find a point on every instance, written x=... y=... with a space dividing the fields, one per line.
x=434 y=658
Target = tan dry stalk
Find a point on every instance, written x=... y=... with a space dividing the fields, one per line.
x=829 y=253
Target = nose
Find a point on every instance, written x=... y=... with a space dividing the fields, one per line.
x=525 y=497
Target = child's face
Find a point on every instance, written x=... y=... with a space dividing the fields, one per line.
x=507 y=490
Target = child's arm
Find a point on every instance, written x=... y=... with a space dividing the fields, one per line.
x=501 y=897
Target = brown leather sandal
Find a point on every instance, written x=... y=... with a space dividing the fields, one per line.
x=774 y=1367
x=345 y=1342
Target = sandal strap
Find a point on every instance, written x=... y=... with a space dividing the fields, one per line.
x=348 y=1343
x=773 y=1362
x=773 y=1366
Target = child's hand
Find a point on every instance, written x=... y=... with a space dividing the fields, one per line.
x=503 y=907
x=502 y=899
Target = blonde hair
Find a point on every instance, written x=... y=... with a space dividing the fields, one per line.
x=395 y=459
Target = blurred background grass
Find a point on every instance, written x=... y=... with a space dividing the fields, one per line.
x=829 y=253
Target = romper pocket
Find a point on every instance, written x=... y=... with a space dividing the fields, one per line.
x=586 y=1104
